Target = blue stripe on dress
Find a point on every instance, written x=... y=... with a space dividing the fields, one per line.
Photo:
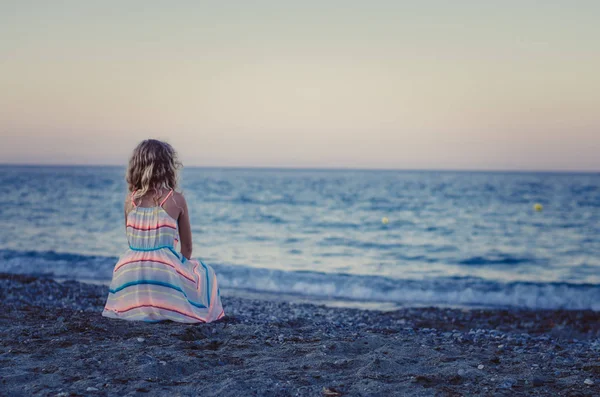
x=150 y=249
x=159 y=283
x=208 y=289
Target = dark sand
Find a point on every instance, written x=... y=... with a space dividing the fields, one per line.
x=54 y=342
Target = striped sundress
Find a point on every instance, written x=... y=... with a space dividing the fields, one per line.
x=153 y=282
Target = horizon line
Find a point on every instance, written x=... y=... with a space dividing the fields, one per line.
x=305 y=168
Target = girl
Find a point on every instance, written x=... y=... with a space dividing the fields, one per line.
x=153 y=282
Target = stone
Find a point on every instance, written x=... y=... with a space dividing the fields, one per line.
x=538 y=381
x=140 y=340
x=480 y=366
x=588 y=382
x=507 y=383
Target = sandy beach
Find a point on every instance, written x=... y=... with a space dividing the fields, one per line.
x=55 y=343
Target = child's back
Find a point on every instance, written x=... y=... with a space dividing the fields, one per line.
x=154 y=282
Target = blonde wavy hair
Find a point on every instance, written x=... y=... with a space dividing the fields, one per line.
x=153 y=166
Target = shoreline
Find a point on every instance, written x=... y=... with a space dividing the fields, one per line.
x=55 y=342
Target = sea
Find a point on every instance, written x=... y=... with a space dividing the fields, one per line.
x=379 y=239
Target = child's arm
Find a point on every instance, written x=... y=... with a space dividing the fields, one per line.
x=185 y=229
x=127 y=208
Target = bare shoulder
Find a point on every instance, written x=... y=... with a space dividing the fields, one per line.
x=176 y=205
x=178 y=196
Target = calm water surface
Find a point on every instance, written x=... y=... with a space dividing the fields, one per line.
x=453 y=238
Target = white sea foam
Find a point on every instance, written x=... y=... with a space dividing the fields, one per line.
x=432 y=291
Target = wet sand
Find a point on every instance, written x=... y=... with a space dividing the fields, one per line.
x=55 y=342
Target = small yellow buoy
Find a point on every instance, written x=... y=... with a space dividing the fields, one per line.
x=538 y=207
x=385 y=220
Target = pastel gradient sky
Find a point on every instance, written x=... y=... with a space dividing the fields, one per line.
x=360 y=84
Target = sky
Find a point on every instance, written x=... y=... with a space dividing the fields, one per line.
x=431 y=84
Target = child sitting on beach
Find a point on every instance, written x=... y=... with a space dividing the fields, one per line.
x=152 y=281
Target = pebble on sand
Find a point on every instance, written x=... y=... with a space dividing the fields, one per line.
x=330 y=391
x=480 y=366
x=530 y=339
x=507 y=383
x=537 y=381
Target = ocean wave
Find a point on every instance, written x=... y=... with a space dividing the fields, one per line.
x=285 y=200
x=347 y=242
x=500 y=259
x=57 y=264
x=437 y=291
x=338 y=225
x=452 y=291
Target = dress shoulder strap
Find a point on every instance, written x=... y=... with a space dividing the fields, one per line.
x=166 y=198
